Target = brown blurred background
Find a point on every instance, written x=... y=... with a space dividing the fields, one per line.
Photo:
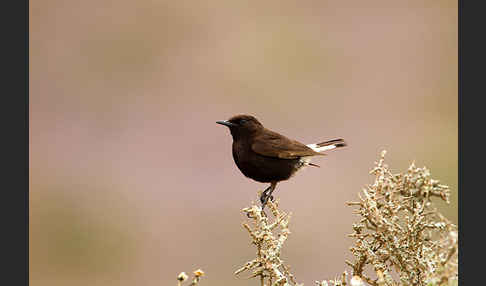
x=131 y=180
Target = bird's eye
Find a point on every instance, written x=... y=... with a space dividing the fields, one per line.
x=243 y=121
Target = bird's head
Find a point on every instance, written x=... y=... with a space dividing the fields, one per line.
x=242 y=125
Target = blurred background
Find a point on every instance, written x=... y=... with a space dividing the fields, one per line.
x=131 y=180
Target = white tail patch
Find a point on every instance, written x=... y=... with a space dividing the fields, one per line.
x=327 y=145
x=321 y=149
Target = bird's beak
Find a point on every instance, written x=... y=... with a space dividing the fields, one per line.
x=227 y=123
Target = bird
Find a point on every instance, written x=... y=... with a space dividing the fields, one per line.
x=269 y=157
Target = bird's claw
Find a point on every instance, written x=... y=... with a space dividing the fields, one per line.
x=262 y=198
x=265 y=197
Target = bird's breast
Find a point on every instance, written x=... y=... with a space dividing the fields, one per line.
x=262 y=168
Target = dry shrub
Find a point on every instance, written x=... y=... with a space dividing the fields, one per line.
x=400 y=238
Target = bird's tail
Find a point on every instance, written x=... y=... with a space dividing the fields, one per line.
x=327 y=145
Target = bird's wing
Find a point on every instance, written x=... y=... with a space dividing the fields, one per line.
x=272 y=144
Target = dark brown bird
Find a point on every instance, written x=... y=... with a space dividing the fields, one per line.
x=268 y=157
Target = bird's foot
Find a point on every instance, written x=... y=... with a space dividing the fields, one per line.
x=265 y=197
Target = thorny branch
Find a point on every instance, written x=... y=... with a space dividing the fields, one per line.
x=269 y=236
x=400 y=239
x=402 y=232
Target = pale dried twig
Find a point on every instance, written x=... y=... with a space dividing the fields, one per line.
x=269 y=236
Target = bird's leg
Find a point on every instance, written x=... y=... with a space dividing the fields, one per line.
x=264 y=195
x=267 y=194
